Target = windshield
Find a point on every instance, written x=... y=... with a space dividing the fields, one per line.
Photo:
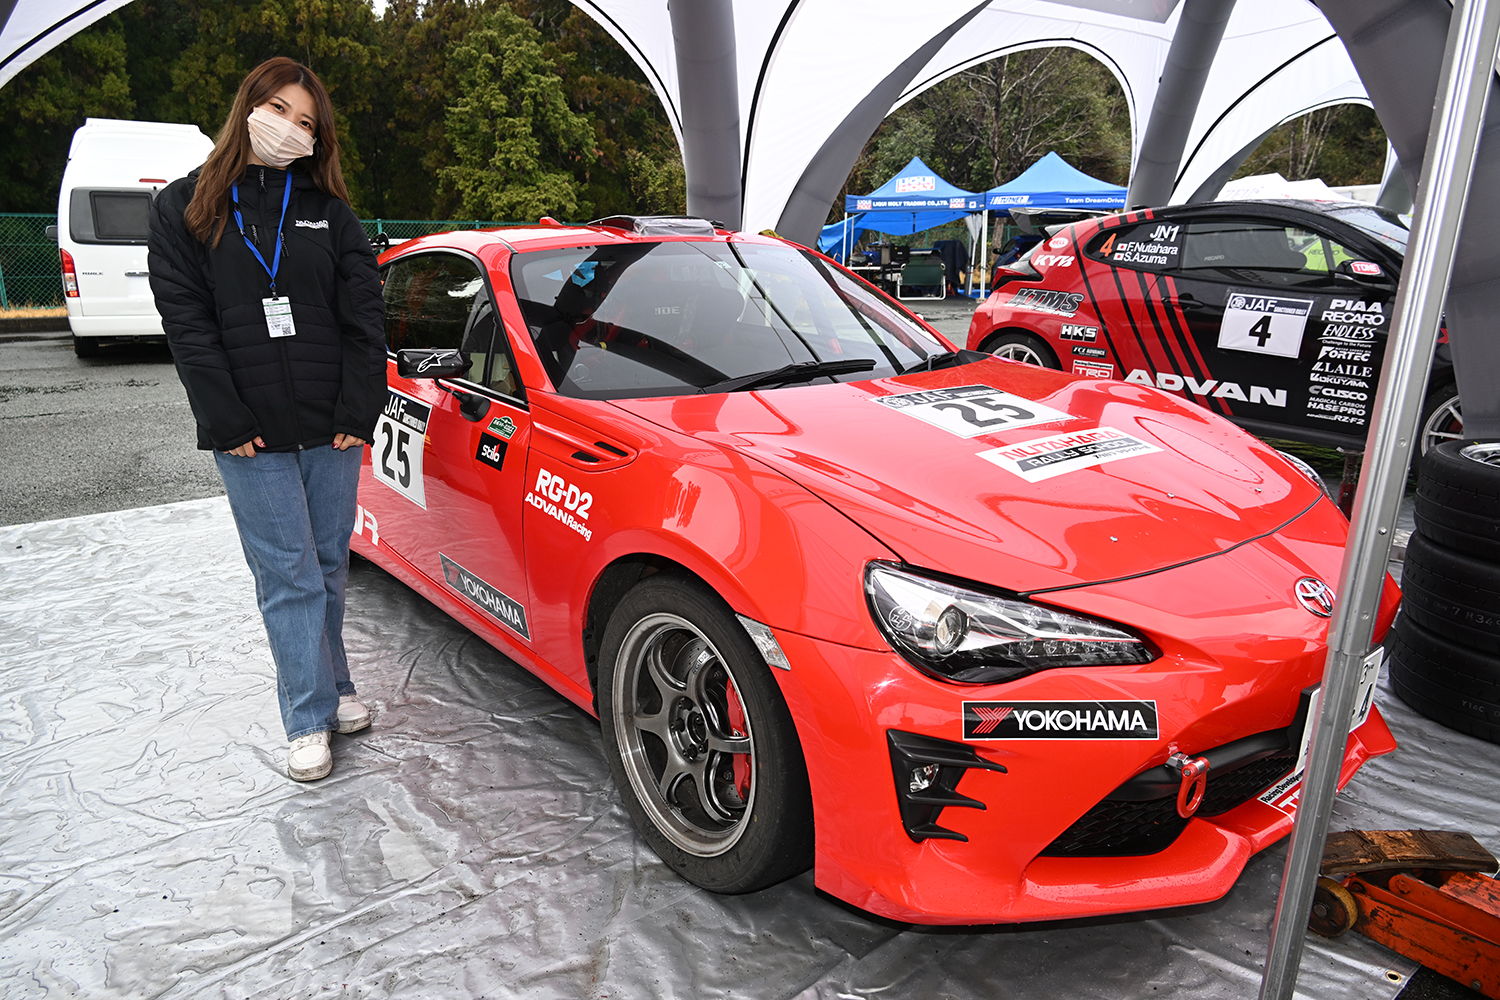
x=672 y=318
x=1381 y=223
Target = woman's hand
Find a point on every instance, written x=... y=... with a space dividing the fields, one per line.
x=344 y=442
x=247 y=450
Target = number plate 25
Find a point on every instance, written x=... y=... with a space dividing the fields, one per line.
x=971 y=410
x=396 y=456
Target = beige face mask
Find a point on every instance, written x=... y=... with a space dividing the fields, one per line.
x=276 y=140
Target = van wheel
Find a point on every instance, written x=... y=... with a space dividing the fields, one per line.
x=85 y=347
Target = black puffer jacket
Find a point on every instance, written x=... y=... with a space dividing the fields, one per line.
x=294 y=392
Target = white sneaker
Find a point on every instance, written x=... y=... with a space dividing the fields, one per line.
x=353 y=715
x=309 y=758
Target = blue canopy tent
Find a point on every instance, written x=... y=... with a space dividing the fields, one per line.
x=1052 y=182
x=910 y=202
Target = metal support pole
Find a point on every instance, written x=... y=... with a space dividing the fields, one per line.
x=984 y=251
x=1468 y=66
x=845 y=261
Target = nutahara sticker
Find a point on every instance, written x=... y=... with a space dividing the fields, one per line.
x=1044 y=458
x=1060 y=720
x=971 y=410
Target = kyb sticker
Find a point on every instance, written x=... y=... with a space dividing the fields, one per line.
x=396 y=455
x=1046 y=301
x=971 y=410
x=491 y=450
x=1264 y=324
x=505 y=610
x=557 y=498
x=1046 y=457
x=1060 y=720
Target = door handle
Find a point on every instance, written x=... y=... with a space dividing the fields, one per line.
x=137 y=274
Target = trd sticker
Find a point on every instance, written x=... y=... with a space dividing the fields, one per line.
x=1090 y=352
x=1094 y=369
x=505 y=610
x=1060 y=720
x=557 y=498
x=1046 y=457
x=1047 y=301
x=971 y=410
x=396 y=453
x=491 y=450
x=364 y=519
x=1264 y=324
x=503 y=426
x=1072 y=331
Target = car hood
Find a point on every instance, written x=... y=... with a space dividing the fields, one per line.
x=1017 y=502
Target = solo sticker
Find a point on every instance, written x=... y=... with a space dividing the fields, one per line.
x=505 y=610
x=1284 y=794
x=1264 y=324
x=971 y=410
x=396 y=454
x=1046 y=457
x=1060 y=720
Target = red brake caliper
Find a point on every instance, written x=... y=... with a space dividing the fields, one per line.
x=737 y=728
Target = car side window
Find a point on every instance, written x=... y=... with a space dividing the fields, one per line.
x=1256 y=251
x=439 y=301
x=1150 y=246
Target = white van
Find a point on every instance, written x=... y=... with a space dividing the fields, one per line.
x=115 y=168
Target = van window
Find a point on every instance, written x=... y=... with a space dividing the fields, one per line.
x=109 y=216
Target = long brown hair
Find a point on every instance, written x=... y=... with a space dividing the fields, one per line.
x=209 y=210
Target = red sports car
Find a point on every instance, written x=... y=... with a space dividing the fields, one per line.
x=976 y=640
x=1271 y=313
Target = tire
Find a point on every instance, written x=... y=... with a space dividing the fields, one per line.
x=1452 y=594
x=1448 y=683
x=1017 y=345
x=1458 y=499
x=85 y=347
x=685 y=697
x=1442 y=418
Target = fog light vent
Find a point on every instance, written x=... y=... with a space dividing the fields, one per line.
x=927 y=771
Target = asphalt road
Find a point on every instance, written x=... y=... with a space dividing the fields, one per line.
x=82 y=437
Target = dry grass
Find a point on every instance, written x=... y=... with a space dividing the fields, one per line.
x=33 y=313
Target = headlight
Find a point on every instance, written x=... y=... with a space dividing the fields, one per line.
x=1309 y=472
x=959 y=634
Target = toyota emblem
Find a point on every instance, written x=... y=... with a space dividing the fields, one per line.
x=1315 y=595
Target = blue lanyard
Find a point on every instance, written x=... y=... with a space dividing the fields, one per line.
x=286 y=197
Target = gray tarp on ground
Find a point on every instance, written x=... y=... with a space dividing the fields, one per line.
x=470 y=844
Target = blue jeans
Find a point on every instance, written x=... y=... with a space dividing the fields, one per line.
x=295 y=513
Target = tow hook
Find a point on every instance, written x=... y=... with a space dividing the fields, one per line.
x=1194 y=771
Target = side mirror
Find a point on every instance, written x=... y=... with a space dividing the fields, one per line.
x=51 y=232
x=427 y=362
x=1366 y=272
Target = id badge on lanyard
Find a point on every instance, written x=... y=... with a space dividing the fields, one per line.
x=278 y=308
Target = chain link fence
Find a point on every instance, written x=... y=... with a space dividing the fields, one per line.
x=31 y=277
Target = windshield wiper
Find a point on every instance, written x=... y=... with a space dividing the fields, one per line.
x=947 y=359
x=801 y=371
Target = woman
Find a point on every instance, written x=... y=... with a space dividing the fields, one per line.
x=268 y=293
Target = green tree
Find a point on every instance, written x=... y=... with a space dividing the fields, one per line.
x=513 y=135
x=1343 y=144
x=47 y=102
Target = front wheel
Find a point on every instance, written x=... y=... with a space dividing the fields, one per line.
x=1024 y=347
x=699 y=740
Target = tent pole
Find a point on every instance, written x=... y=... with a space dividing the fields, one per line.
x=984 y=248
x=845 y=261
x=1447 y=169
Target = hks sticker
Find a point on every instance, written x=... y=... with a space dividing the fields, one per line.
x=1046 y=457
x=505 y=610
x=1060 y=720
x=971 y=410
x=1072 y=331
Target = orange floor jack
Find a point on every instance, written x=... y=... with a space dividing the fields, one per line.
x=1424 y=894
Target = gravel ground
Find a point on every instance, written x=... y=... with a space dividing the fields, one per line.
x=81 y=437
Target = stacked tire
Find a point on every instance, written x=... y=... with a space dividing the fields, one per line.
x=1444 y=649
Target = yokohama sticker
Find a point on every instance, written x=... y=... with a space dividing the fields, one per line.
x=492 y=602
x=1044 y=458
x=1060 y=720
x=971 y=410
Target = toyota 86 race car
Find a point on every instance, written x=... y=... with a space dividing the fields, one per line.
x=1271 y=313
x=975 y=640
